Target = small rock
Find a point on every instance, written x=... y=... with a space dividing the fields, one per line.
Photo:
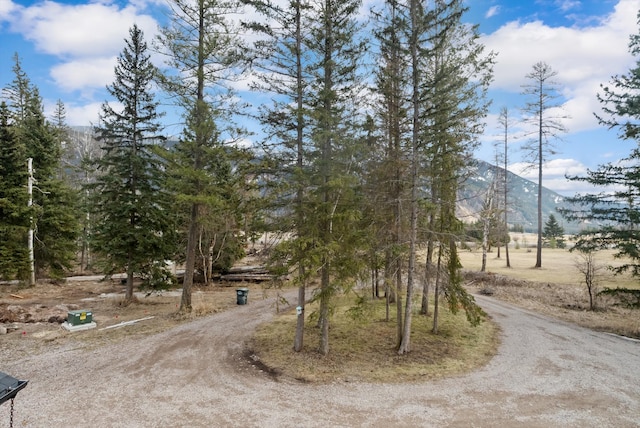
x=3 y=330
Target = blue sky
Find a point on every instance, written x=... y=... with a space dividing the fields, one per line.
x=68 y=49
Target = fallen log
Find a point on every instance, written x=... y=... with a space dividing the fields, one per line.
x=248 y=277
x=248 y=269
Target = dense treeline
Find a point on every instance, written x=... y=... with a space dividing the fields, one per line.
x=367 y=138
x=37 y=206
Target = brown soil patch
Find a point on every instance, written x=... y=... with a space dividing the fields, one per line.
x=32 y=317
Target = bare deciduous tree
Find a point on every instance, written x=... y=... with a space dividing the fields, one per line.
x=543 y=112
x=590 y=270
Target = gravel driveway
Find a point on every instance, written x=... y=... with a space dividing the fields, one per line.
x=546 y=374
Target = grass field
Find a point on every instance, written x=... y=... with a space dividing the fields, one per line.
x=558 y=266
x=557 y=289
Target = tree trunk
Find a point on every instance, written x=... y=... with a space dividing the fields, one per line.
x=324 y=309
x=405 y=343
x=299 y=338
x=485 y=241
x=424 y=308
x=298 y=342
x=398 y=297
x=539 y=239
x=436 y=293
x=428 y=269
x=388 y=279
x=540 y=159
x=128 y=295
x=189 y=268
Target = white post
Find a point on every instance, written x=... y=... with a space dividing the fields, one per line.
x=32 y=278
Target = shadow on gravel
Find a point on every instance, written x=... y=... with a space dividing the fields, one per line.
x=255 y=361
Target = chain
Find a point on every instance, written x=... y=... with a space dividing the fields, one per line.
x=11 y=414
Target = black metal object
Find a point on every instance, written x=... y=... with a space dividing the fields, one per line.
x=242 y=294
x=9 y=387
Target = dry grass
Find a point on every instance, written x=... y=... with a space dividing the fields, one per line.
x=363 y=348
x=557 y=289
x=558 y=266
x=104 y=299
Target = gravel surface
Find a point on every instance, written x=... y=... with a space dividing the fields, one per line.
x=547 y=374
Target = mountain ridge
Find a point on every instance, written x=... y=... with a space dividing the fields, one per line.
x=522 y=198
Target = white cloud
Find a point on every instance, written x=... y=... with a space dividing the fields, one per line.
x=552 y=168
x=566 y=5
x=84 y=73
x=574 y=53
x=562 y=167
x=7 y=8
x=493 y=11
x=554 y=175
x=84 y=38
x=583 y=57
x=78 y=114
x=92 y=30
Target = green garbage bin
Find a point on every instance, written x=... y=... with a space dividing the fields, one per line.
x=242 y=294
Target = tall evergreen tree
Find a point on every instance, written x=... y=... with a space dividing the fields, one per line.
x=63 y=134
x=541 y=112
x=457 y=73
x=204 y=54
x=416 y=30
x=81 y=150
x=388 y=178
x=280 y=56
x=14 y=214
x=54 y=203
x=134 y=229
x=335 y=49
x=553 y=232
x=614 y=213
x=18 y=92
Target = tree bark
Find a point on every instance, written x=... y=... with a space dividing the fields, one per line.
x=189 y=268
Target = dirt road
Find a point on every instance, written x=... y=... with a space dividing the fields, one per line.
x=546 y=374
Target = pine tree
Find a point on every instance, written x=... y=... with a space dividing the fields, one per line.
x=63 y=134
x=336 y=51
x=14 y=215
x=280 y=71
x=614 y=213
x=389 y=174
x=553 y=232
x=54 y=203
x=204 y=54
x=134 y=227
x=81 y=151
x=451 y=74
x=311 y=58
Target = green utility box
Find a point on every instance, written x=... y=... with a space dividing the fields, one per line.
x=79 y=317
